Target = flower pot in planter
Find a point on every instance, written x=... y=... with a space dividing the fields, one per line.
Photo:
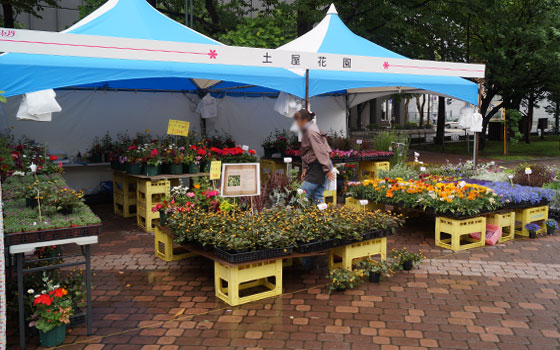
x=162 y=217
x=206 y=167
x=194 y=168
x=152 y=170
x=53 y=337
x=341 y=288
x=268 y=152
x=374 y=277
x=66 y=210
x=176 y=169
x=97 y=158
x=186 y=168
x=134 y=168
x=30 y=202
x=407 y=265
x=550 y=230
x=532 y=234
x=164 y=168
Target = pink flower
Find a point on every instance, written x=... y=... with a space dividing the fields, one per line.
x=212 y=194
x=190 y=194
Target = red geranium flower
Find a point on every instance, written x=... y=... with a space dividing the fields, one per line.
x=154 y=152
x=193 y=147
x=252 y=151
x=53 y=157
x=43 y=299
x=132 y=147
x=60 y=292
x=201 y=152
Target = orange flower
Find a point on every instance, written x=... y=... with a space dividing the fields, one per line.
x=197 y=186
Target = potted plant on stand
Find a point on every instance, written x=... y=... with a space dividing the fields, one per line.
x=551 y=226
x=532 y=228
x=342 y=279
x=153 y=162
x=374 y=269
x=269 y=146
x=51 y=313
x=405 y=259
x=134 y=158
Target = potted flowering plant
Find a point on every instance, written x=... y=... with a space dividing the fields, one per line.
x=133 y=157
x=51 y=313
x=269 y=146
x=153 y=161
x=551 y=226
x=532 y=228
x=65 y=199
x=405 y=259
x=374 y=269
x=342 y=279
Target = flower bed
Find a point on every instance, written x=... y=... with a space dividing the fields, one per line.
x=456 y=199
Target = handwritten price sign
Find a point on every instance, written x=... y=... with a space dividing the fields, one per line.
x=178 y=127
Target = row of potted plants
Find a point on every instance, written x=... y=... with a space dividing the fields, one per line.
x=41 y=204
x=16 y=156
x=451 y=199
x=374 y=270
x=155 y=157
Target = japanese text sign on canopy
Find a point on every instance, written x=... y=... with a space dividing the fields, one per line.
x=80 y=45
x=241 y=180
x=178 y=127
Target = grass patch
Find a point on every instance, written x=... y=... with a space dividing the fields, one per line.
x=547 y=148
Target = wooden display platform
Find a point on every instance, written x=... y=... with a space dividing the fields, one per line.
x=168 y=176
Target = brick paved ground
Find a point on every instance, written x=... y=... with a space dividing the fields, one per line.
x=504 y=297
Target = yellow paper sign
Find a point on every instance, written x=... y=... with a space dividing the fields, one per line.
x=215 y=170
x=178 y=127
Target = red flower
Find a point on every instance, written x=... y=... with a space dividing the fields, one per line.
x=193 y=147
x=154 y=152
x=132 y=147
x=201 y=152
x=43 y=299
x=252 y=152
x=53 y=157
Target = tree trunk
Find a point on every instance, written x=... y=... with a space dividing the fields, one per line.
x=406 y=103
x=420 y=107
x=9 y=20
x=529 y=119
x=557 y=118
x=440 y=133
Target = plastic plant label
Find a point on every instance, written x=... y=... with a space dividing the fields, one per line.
x=462 y=184
x=287 y=160
x=422 y=168
x=528 y=171
x=416 y=154
x=33 y=167
x=215 y=170
x=322 y=206
x=245 y=148
x=364 y=202
x=359 y=141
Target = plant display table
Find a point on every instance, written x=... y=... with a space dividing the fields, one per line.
x=345 y=255
x=19 y=250
x=537 y=215
x=459 y=231
x=506 y=221
x=165 y=249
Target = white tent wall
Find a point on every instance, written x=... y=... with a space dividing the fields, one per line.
x=250 y=119
x=87 y=114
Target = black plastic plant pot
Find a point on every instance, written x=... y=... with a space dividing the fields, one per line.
x=532 y=234
x=374 y=277
x=162 y=218
x=30 y=202
x=407 y=265
x=341 y=288
x=550 y=231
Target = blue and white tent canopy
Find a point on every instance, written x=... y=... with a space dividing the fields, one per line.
x=332 y=36
x=23 y=73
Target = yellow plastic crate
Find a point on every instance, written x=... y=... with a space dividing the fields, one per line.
x=145 y=217
x=370 y=170
x=354 y=204
x=329 y=197
x=166 y=250
x=537 y=215
x=250 y=278
x=459 y=231
x=345 y=255
x=124 y=194
x=268 y=167
x=506 y=221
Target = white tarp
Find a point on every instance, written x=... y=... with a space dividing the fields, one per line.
x=86 y=114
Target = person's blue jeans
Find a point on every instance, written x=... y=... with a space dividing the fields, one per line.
x=315 y=191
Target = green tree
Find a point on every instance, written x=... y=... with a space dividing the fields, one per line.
x=12 y=8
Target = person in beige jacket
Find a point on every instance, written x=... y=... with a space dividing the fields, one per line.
x=315 y=156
